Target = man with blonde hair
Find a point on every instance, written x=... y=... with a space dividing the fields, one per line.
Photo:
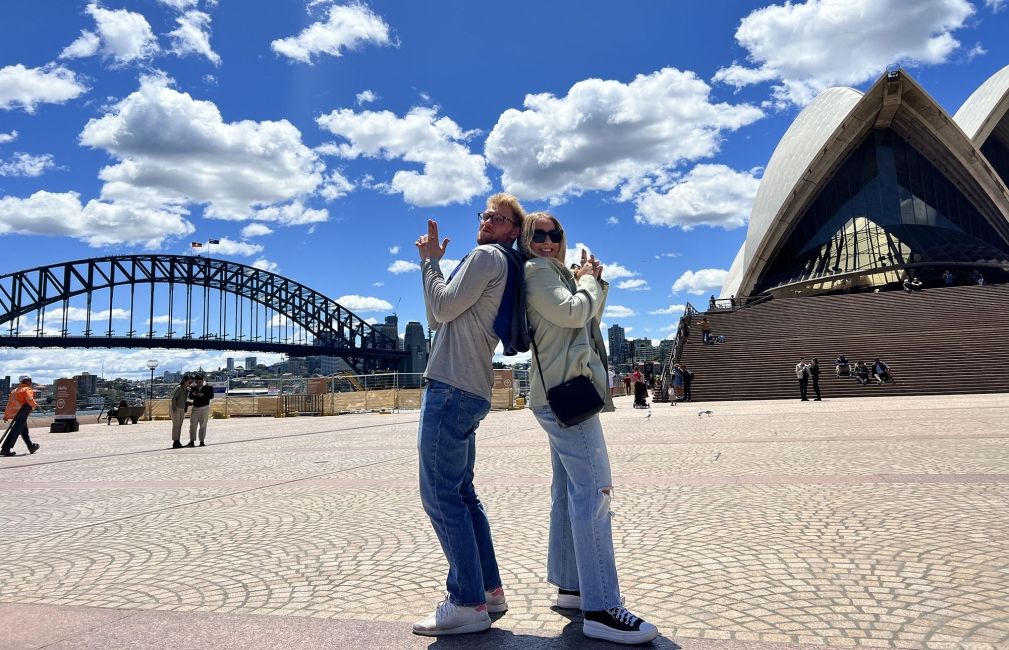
x=462 y=310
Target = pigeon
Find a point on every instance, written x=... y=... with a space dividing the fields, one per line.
x=700 y=413
x=648 y=414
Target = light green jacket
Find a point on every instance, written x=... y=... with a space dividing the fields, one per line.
x=563 y=313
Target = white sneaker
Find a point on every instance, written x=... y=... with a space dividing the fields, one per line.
x=449 y=618
x=568 y=599
x=496 y=602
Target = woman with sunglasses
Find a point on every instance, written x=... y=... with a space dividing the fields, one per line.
x=564 y=308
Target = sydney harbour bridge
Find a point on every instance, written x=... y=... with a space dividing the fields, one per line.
x=183 y=302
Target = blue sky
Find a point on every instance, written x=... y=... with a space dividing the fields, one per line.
x=315 y=138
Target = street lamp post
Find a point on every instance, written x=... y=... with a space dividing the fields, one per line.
x=152 y=364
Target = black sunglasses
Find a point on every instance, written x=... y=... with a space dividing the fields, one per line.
x=540 y=236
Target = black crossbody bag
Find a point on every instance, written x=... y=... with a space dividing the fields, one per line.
x=572 y=402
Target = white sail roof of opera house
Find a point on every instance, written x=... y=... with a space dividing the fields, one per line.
x=832 y=126
x=985 y=108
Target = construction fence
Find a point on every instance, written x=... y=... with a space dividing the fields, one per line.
x=297 y=396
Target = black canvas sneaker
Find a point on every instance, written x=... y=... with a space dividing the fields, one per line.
x=619 y=625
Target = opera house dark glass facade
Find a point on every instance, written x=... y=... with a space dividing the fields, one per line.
x=866 y=190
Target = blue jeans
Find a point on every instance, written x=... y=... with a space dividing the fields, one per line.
x=580 y=555
x=446 y=442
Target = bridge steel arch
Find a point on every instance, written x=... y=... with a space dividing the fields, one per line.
x=326 y=327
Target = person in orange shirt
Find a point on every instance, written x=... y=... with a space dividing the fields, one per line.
x=20 y=403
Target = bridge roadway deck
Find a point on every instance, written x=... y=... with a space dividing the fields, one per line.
x=869 y=522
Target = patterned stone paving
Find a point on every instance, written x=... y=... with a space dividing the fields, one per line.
x=873 y=522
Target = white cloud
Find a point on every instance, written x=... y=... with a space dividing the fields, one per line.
x=180 y=5
x=163 y=320
x=616 y=311
x=97 y=223
x=700 y=282
x=125 y=36
x=8 y=137
x=709 y=195
x=78 y=314
x=403 y=266
x=27 y=87
x=612 y=221
x=448 y=265
x=995 y=5
x=85 y=45
x=264 y=264
x=378 y=284
x=357 y=303
x=451 y=174
x=366 y=97
x=813 y=45
x=335 y=186
x=24 y=164
x=345 y=28
x=227 y=246
x=394 y=250
x=671 y=309
x=612 y=271
x=193 y=36
x=605 y=134
x=256 y=230
x=635 y=284
x=290 y=214
x=174 y=149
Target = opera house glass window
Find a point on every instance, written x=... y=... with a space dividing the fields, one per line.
x=887 y=207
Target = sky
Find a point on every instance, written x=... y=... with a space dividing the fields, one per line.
x=314 y=138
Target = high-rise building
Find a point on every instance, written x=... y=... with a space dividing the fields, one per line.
x=231 y=364
x=5 y=385
x=87 y=384
x=250 y=363
x=665 y=349
x=415 y=344
x=643 y=350
x=390 y=328
x=618 y=345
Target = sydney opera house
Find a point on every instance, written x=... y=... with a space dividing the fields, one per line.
x=864 y=192
x=864 y=189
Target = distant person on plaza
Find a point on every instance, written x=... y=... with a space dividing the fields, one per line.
x=705 y=331
x=688 y=376
x=177 y=409
x=814 y=374
x=880 y=371
x=563 y=309
x=462 y=310
x=627 y=384
x=980 y=279
x=916 y=284
x=677 y=383
x=947 y=278
x=200 y=395
x=802 y=374
x=20 y=404
x=841 y=365
x=907 y=285
x=861 y=373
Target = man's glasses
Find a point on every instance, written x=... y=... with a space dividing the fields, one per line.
x=496 y=219
x=540 y=236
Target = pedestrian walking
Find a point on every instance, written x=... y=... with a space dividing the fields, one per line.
x=177 y=409
x=20 y=404
x=200 y=395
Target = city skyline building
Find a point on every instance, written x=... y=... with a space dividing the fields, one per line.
x=618 y=345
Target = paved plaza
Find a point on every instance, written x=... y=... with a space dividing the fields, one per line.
x=870 y=522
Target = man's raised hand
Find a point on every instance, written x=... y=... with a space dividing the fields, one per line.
x=427 y=245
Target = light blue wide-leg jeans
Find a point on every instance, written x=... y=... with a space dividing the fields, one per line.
x=446 y=444
x=580 y=555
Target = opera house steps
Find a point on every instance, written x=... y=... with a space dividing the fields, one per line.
x=938 y=341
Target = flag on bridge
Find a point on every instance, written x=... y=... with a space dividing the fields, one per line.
x=197 y=244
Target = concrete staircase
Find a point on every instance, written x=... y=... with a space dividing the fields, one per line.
x=938 y=341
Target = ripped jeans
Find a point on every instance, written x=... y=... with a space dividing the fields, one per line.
x=580 y=555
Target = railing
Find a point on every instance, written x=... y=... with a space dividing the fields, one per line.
x=661 y=392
